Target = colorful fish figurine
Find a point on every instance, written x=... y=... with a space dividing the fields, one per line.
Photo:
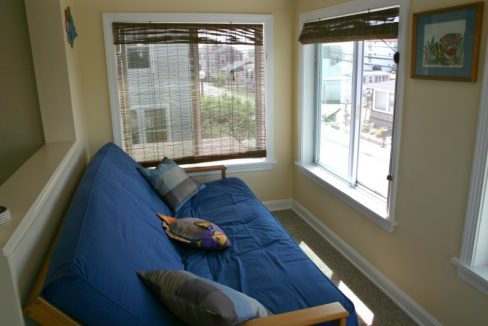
x=194 y=232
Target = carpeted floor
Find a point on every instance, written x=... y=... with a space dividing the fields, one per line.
x=372 y=306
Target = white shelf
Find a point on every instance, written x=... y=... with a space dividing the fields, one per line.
x=25 y=191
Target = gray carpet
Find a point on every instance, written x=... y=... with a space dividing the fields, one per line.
x=374 y=308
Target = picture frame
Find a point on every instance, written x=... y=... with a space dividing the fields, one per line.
x=446 y=43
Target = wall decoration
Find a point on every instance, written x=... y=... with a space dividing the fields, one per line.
x=446 y=42
x=70 y=27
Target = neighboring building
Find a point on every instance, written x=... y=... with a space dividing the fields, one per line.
x=151 y=72
x=378 y=55
x=378 y=80
x=380 y=112
x=215 y=57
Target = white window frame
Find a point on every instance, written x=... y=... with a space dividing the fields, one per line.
x=236 y=165
x=472 y=264
x=371 y=206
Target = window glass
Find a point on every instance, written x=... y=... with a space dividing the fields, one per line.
x=356 y=97
x=334 y=141
x=377 y=107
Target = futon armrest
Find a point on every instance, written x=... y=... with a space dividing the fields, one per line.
x=45 y=314
x=197 y=169
x=308 y=316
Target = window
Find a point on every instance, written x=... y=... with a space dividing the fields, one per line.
x=473 y=260
x=196 y=91
x=350 y=102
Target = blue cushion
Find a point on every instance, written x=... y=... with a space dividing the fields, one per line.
x=199 y=301
x=171 y=182
x=109 y=232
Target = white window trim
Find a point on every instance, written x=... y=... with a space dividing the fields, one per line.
x=468 y=270
x=243 y=165
x=353 y=197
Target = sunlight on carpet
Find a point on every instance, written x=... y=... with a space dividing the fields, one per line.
x=363 y=312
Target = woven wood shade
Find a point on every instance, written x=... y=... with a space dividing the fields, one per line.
x=154 y=33
x=191 y=92
x=381 y=24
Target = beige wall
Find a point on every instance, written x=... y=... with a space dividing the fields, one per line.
x=74 y=74
x=38 y=192
x=438 y=134
x=269 y=185
x=21 y=131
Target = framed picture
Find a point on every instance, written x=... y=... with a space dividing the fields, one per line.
x=446 y=42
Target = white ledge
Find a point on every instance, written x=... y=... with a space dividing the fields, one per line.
x=475 y=276
x=368 y=205
x=27 y=190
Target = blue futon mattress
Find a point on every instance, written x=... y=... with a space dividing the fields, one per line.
x=111 y=231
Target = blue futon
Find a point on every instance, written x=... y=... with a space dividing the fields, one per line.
x=111 y=231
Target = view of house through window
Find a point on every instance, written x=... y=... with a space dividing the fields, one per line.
x=192 y=93
x=355 y=112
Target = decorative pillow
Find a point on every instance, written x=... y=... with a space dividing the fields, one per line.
x=195 y=232
x=171 y=182
x=199 y=301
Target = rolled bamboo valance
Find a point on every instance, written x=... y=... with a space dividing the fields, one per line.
x=175 y=33
x=380 y=24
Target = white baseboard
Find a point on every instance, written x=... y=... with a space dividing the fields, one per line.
x=410 y=307
x=279 y=205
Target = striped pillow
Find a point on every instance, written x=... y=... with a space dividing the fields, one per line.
x=199 y=301
x=171 y=182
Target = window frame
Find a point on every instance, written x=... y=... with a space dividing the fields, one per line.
x=472 y=263
x=360 y=199
x=236 y=165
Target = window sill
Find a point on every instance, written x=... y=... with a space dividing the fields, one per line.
x=474 y=276
x=235 y=166
x=360 y=200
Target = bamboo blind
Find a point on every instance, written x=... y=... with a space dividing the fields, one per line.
x=380 y=24
x=191 y=92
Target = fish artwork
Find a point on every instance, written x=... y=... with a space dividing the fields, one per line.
x=69 y=24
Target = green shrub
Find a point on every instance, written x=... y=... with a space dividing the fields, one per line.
x=227 y=115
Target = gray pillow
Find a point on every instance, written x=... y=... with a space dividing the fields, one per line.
x=199 y=301
x=171 y=183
